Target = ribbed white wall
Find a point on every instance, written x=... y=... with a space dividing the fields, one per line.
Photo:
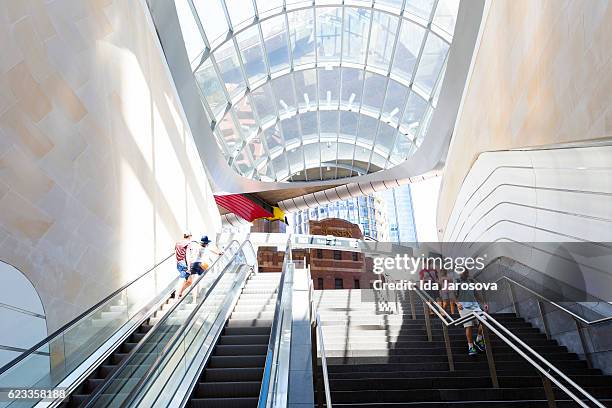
x=549 y=197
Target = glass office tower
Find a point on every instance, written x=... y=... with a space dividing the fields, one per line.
x=385 y=216
x=399 y=214
x=361 y=211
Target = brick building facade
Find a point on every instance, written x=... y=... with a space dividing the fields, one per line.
x=330 y=269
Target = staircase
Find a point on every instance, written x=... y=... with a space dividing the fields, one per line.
x=234 y=372
x=100 y=374
x=377 y=359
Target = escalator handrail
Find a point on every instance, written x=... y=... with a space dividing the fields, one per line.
x=178 y=334
x=77 y=319
x=94 y=397
x=486 y=319
x=265 y=382
x=555 y=304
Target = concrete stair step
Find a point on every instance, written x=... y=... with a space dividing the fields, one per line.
x=358 y=374
x=403 y=363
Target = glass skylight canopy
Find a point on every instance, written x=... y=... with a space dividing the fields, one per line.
x=314 y=90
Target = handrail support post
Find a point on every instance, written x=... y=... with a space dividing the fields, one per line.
x=512 y=298
x=544 y=321
x=449 y=351
x=489 y=353
x=548 y=390
x=583 y=342
x=412 y=306
x=427 y=321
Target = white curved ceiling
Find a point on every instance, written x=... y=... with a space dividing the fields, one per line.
x=317 y=90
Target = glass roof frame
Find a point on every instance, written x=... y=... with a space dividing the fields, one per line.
x=241 y=158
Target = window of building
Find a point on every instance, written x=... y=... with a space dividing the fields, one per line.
x=355 y=256
x=337 y=255
x=319 y=253
x=320 y=283
x=338 y=284
x=356 y=284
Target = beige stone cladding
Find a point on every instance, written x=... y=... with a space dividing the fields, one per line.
x=98 y=171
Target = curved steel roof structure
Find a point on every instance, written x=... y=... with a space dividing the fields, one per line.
x=317 y=90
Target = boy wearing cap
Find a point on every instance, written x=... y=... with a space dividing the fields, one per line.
x=199 y=256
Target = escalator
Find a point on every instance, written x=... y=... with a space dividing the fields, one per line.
x=77 y=357
x=84 y=390
x=229 y=351
x=233 y=375
x=202 y=303
x=83 y=355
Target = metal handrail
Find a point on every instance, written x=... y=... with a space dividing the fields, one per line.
x=555 y=304
x=317 y=331
x=328 y=401
x=274 y=335
x=172 y=343
x=73 y=322
x=96 y=395
x=177 y=335
x=485 y=319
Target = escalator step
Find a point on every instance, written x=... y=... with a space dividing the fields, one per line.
x=239 y=331
x=144 y=328
x=232 y=374
x=237 y=361
x=93 y=383
x=250 y=323
x=117 y=358
x=127 y=347
x=223 y=403
x=105 y=370
x=241 y=350
x=228 y=389
x=77 y=399
x=244 y=339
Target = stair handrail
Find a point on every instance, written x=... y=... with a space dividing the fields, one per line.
x=271 y=362
x=553 y=303
x=485 y=319
x=77 y=319
x=108 y=381
x=320 y=342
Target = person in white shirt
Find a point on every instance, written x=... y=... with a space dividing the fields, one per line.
x=200 y=256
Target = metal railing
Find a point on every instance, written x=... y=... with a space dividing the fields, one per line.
x=161 y=384
x=51 y=361
x=490 y=325
x=321 y=349
x=118 y=374
x=579 y=321
x=79 y=318
x=274 y=384
x=320 y=383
